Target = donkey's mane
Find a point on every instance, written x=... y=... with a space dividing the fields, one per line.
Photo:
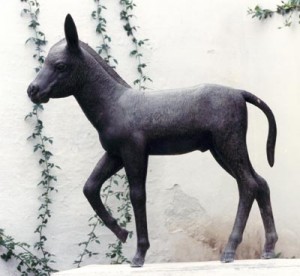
x=101 y=61
x=104 y=64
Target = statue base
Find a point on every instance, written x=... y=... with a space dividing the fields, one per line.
x=273 y=267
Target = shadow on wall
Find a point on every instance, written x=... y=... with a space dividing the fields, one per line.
x=195 y=236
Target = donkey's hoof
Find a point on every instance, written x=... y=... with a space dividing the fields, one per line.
x=268 y=255
x=122 y=235
x=137 y=262
x=227 y=257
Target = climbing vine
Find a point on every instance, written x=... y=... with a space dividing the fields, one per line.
x=126 y=15
x=40 y=140
x=104 y=47
x=28 y=262
x=287 y=9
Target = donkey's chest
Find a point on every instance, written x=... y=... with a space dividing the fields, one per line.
x=112 y=139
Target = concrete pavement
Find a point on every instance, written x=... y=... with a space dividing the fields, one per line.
x=274 y=267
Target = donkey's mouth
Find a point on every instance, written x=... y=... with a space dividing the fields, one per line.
x=38 y=100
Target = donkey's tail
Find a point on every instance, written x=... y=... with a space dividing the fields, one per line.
x=250 y=98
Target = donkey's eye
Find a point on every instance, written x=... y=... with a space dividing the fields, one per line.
x=61 y=67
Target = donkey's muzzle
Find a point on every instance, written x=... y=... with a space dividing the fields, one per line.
x=33 y=91
x=35 y=95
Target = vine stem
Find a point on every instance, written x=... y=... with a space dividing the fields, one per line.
x=131 y=29
x=22 y=247
x=47 y=190
x=138 y=57
x=101 y=29
x=87 y=244
x=283 y=9
x=21 y=260
x=17 y=256
x=99 y=18
x=27 y=260
x=39 y=40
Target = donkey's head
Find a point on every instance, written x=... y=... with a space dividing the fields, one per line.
x=62 y=73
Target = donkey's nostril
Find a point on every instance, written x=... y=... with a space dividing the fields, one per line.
x=32 y=90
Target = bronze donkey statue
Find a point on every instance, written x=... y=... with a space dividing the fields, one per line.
x=133 y=125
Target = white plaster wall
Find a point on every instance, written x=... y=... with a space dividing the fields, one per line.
x=191 y=200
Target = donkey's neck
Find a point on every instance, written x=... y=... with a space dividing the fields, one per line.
x=96 y=99
x=100 y=90
x=103 y=64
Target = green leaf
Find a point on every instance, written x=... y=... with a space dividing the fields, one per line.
x=33 y=24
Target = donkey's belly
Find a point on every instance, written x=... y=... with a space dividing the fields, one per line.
x=178 y=145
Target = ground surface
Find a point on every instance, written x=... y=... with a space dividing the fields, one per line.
x=275 y=267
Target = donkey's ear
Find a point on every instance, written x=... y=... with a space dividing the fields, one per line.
x=71 y=33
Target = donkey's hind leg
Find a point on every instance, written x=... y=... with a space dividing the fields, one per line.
x=233 y=157
x=264 y=203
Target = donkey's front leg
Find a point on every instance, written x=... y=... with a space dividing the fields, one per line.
x=106 y=167
x=135 y=162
